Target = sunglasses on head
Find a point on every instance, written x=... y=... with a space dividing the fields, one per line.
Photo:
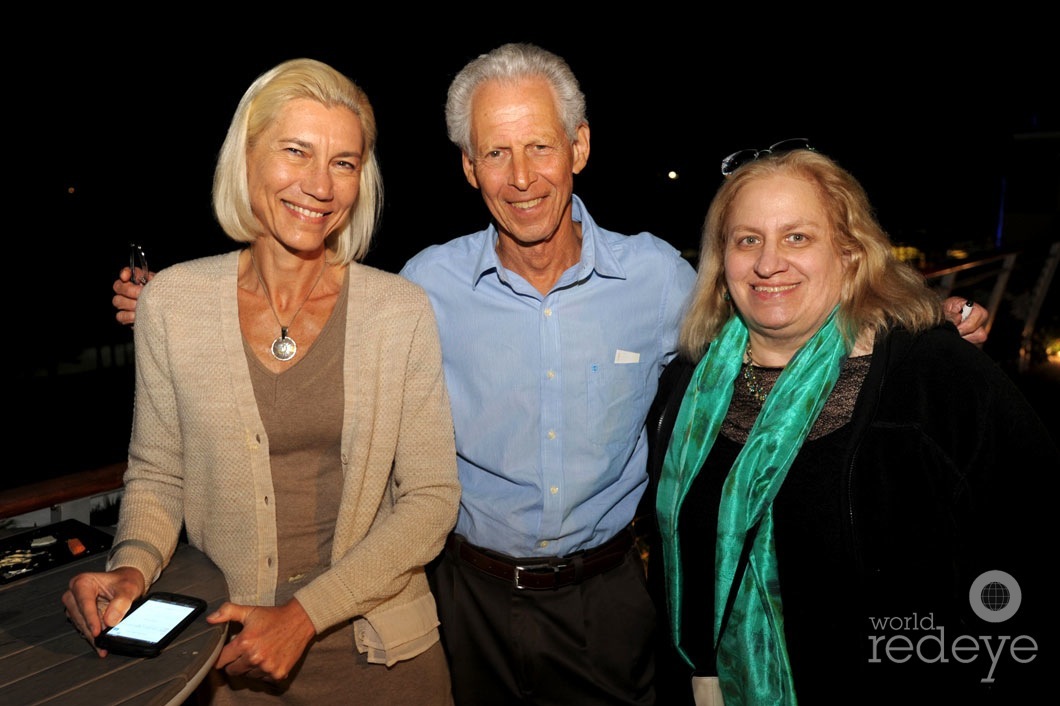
x=741 y=157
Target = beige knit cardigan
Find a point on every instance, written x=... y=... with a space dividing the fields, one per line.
x=199 y=454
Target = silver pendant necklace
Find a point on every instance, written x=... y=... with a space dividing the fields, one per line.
x=283 y=347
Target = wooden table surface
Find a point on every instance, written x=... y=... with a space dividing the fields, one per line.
x=43 y=660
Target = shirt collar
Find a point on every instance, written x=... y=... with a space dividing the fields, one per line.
x=596 y=254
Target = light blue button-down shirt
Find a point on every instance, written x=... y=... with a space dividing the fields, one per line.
x=550 y=393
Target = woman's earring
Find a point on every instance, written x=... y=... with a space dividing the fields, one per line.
x=725 y=295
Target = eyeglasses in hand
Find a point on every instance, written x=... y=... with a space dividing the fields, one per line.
x=137 y=264
x=741 y=157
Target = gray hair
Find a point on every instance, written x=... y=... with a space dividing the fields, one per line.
x=510 y=63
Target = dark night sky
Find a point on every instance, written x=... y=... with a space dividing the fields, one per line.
x=937 y=130
x=931 y=132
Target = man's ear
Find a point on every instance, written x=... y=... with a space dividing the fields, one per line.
x=469 y=170
x=580 y=147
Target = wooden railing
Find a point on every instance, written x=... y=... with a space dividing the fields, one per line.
x=961 y=275
x=56 y=491
x=1041 y=286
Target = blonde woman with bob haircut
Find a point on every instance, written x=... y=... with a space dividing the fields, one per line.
x=266 y=97
x=291 y=414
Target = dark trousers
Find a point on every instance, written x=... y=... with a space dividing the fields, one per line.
x=584 y=644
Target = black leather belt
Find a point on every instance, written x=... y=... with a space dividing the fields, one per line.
x=543 y=573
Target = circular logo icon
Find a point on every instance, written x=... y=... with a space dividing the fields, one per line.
x=995 y=596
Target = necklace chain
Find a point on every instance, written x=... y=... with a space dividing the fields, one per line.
x=751 y=380
x=284 y=347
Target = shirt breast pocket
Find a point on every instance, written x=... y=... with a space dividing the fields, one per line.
x=615 y=408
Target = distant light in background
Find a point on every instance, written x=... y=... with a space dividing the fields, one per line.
x=910 y=253
x=70 y=189
x=1052 y=350
x=671 y=175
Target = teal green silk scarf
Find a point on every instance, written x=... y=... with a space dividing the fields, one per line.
x=752 y=658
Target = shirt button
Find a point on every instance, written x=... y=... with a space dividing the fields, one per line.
x=554 y=490
x=548 y=312
x=550 y=374
x=551 y=435
x=543 y=543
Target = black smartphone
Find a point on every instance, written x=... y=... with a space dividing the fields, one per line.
x=151 y=624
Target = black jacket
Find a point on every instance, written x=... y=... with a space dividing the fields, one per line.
x=942 y=476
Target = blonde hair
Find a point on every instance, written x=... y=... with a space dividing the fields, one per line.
x=878 y=291
x=259 y=108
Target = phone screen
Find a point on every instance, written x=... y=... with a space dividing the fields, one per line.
x=151 y=624
x=152 y=620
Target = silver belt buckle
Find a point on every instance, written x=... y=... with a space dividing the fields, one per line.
x=531 y=567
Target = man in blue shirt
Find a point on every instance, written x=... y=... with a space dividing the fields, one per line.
x=554 y=333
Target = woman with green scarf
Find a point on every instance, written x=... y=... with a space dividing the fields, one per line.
x=840 y=476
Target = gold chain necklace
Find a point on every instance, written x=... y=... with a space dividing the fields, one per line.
x=751 y=380
x=283 y=347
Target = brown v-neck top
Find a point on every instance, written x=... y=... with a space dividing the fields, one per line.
x=302 y=409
